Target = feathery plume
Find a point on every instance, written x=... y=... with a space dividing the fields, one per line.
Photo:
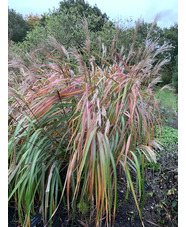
x=131 y=52
x=59 y=47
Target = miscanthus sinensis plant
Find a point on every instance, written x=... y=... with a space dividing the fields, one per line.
x=68 y=132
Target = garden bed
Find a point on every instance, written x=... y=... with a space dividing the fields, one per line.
x=161 y=201
x=80 y=126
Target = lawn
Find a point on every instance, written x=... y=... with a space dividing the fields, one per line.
x=168 y=100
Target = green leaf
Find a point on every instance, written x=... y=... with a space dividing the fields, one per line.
x=174 y=203
x=83 y=207
x=171 y=191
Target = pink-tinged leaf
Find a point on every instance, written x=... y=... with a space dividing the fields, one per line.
x=88 y=141
x=81 y=103
x=138 y=128
x=126 y=66
x=120 y=154
x=69 y=174
x=123 y=133
x=126 y=151
x=87 y=109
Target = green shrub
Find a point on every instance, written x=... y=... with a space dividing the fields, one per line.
x=37 y=36
x=175 y=76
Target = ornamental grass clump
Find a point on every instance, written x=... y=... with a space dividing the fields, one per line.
x=69 y=131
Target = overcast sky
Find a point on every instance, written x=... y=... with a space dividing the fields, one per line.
x=125 y=9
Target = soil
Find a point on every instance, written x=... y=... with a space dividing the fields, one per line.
x=161 y=202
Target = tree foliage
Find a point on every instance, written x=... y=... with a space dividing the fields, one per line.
x=66 y=28
x=170 y=36
x=32 y=20
x=66 y=25
x=80 y=8
x=17 y=27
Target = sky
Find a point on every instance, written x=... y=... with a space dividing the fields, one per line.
x=123 y=9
